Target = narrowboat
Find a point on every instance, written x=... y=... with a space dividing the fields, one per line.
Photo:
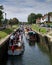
x=16 y=47
x=31 y=36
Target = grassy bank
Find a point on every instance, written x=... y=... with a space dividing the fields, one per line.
x=7 y=31
x=38 y=29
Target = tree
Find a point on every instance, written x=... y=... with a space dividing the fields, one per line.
x=38 y=15
x=1 y=7
x=49 y=14
x=1 y=14
x=15 y=21
x=32 y=18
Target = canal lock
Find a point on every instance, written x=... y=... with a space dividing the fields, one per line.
x=42 y=40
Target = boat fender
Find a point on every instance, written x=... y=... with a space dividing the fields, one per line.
x=12 y=48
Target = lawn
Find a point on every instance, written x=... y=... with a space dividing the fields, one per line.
x=15 y=26
x=5 y=32
x=43 y=30
x=38 y=29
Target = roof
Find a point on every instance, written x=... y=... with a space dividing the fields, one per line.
x=31 y=32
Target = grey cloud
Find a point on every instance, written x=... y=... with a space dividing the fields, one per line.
x=48 y=0
x=22 y=8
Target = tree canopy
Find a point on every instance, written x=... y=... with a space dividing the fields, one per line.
x=1 y=7
x=38 y=15
x=1 y=14
x=49 y=13
x=14 y=21
x=32 y=18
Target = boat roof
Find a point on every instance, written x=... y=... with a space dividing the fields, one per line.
x=32 y=32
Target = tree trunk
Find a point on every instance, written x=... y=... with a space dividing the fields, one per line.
x=48 y=17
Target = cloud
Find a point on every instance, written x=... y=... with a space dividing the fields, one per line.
x=22 y=8
x=48 y=0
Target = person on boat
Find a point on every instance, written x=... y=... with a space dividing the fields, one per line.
x=11 y=39
x=17 y=36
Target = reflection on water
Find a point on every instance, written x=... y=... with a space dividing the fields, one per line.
x=33 y=55
x=14 y=60
x=31 y=43
x=3 y=61
x=46 y=51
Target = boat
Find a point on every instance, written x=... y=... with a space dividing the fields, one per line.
x=31 y=36
x=16 y=48
x=27 y=29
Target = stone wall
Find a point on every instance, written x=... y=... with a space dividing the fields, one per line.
x=45 y=40
x=4 y=46
x=3 y=50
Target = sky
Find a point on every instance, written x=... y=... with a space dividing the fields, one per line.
x=22 y=8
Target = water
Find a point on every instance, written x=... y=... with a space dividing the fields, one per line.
x=33 y=55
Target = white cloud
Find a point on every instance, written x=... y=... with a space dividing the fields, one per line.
x=22 y=8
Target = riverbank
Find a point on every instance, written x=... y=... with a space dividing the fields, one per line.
x=42 y=30
x=44 y=37
x=7 y=31
x=39 y=29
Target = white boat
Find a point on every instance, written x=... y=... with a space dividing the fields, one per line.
x=16 y=49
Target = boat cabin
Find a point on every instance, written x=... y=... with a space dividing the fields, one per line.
x=32 y=35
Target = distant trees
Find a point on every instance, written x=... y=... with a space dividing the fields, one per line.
x=1 y=7
x=32 y=17
x=49 y=14
x=38 y=15
x=13 y=21
x=1 y=15
x=6 y=21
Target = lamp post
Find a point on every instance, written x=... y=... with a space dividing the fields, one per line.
x=5 y=15
x=4 y=20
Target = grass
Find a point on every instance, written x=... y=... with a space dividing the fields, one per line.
x=5 y=32
x=43 y=30
x=15 y=26
x=35 y=27
x=38 y=29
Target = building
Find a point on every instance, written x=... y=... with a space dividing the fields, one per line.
x=38 y=20
x=45 y=18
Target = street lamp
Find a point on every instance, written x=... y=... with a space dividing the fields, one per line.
x=5 y=19
x=5 y=15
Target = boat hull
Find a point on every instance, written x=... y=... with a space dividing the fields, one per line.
x=16 y=52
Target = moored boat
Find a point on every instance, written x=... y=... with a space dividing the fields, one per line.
x=31 y=36
x=16 y=46
x=16 y=49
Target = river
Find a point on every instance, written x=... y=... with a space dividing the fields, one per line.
x=33 y=55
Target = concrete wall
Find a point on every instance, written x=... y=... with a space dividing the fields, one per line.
x=3 y=50
x=45 y=41
x=4 y=47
